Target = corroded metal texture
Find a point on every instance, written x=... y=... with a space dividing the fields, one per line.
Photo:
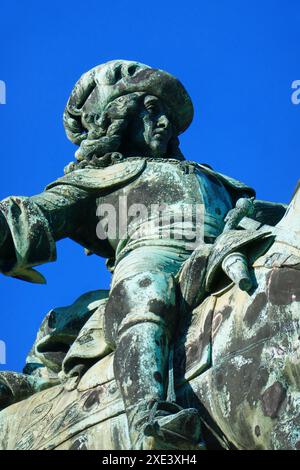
x=195 y=345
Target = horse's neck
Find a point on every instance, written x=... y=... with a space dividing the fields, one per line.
x=291 y=219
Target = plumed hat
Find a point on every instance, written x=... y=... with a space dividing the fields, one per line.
x=101 y=85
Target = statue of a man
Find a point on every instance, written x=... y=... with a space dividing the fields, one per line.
x=126 y=118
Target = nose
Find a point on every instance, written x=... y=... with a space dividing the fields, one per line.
x=163 y=122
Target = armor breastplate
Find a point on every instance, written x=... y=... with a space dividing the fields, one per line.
x=216 y=200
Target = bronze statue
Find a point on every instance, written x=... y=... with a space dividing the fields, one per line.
x=159 y=322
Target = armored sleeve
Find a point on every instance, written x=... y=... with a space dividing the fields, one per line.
x=30 y=226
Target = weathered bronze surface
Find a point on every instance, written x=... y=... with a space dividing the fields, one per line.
x=195 y=345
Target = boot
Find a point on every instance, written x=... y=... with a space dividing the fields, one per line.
x=141 y=367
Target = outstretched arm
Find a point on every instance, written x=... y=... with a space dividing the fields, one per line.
x=30 y=226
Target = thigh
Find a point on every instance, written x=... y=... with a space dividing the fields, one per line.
x=143 y=289
x=155 y=259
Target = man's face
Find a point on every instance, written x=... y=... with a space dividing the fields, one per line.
x=150 y=130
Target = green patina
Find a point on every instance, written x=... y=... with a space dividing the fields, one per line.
x=187 y=330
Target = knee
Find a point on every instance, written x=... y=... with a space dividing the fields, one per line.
x=143 y=297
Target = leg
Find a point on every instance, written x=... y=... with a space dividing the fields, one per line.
x=139 y=322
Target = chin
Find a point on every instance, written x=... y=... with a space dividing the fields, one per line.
x=158 y=150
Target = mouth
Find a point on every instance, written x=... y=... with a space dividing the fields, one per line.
x=161 y=133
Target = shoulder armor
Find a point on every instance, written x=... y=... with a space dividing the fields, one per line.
x=232 y=183
x=102 y=178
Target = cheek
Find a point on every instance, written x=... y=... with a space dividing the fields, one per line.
x=147 y=128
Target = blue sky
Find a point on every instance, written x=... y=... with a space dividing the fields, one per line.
x=236 y=58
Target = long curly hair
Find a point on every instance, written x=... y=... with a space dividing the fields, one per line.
x=100 y=137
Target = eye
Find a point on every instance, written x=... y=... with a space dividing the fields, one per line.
x=152 y=108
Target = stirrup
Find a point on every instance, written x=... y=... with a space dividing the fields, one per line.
x=175 y=426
